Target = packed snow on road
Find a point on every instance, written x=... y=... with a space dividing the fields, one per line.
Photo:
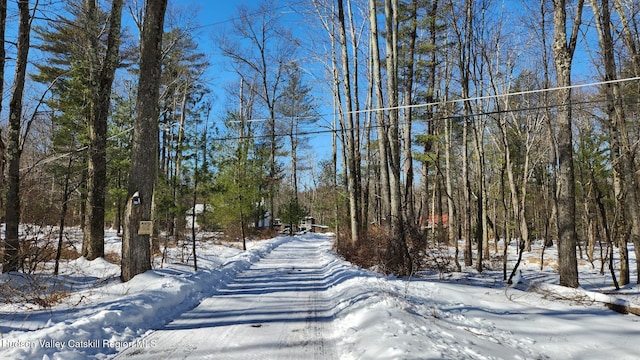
x=293 y=298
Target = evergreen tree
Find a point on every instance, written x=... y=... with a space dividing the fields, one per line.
x=183 y=88
x=293 y=213
x=240 y=181
x=119 y=155
x=81 y=69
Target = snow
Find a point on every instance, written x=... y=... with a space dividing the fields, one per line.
x=293 y=298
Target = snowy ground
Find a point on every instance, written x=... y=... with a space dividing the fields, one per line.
x=291 y=298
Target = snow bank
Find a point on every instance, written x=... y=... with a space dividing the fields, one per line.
x=466 y=315
x=110 y=315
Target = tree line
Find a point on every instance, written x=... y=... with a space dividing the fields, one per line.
x=480 y=96
x=453 y=122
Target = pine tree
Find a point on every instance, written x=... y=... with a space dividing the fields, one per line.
x=81 y=68
x=240 y=184
x=119 y=155
x=183 y=88
x=293 y=213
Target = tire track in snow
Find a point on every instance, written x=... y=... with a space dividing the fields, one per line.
x=277 y=309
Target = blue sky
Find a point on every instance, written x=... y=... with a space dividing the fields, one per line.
x=214 y=17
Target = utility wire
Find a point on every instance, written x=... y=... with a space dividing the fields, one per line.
x=249 y=15
x=434 y=119
x=488 y=97
x=370 y=127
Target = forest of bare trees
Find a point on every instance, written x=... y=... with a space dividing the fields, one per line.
x=454 y=124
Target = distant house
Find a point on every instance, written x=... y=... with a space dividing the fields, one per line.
x=263 y=221
x=436 y=220
x=263 y=217
x=306 y=224
x=198 y=210
x=317 y=228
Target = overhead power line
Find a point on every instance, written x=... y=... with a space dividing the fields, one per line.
x=495 y=96
x=413 y=106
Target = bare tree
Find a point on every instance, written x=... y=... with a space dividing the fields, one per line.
x=623 y=150
x=463 y=35
x=12 y=261
x=3 y=26
x=564 y=48
x=629 y=32
x=136 y=252
x=383 y=142
x=261 y=48
x=349 y=125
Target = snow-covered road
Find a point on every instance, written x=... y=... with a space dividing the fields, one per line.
x=277 y=309
x=293 y=298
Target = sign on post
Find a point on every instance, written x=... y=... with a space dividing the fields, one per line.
x=146 y=228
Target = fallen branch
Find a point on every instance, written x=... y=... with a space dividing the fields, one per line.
x=623 y=309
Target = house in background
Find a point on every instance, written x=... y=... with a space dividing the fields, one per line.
x=306 y=224
x=198 y=210
x=435 y=221
x=263 y=222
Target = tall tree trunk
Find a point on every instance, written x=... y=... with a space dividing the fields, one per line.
x=367 y=179
x=553 y=156
x=564 y=49
x=193 y=219
x=136 y=257
x=3 y=26
x=464 y=44
x=380 y=118
x=409 y=200
x=63 y=215
x=101 y=81
x=12 y=257
x=430 y=116
x=349 y=126
x=398 y=252
x=453 y=239
x=356 y=117
x=176 y=182
x=334 y=134
x=624 y=166
x=481 y=226
x=294 y=160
